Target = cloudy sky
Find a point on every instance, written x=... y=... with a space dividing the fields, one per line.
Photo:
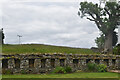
x=47 y=22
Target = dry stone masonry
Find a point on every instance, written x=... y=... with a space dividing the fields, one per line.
x=42 y=63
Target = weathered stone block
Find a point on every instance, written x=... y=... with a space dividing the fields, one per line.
x=24 y=64
x=37 y=63
x=11 y=63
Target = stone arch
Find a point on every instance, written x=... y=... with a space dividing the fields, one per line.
x=75 y=62
x=106 y=62
x=52 y=63
x=31 y=63
x=88 y=61
x=62 y=62
x=43 y=62
x=5 y=63
x=97 y=61
x=17 y=63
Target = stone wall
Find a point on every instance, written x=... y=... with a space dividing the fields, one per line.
x=42 y=63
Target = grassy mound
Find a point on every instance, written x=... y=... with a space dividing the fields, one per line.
x=40 y=48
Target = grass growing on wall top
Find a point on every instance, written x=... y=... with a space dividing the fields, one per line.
x=40 y=48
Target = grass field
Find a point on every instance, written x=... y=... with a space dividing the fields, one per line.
x=39 y=48
x=71 y=75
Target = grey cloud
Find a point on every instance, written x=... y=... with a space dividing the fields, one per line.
x=56 y=24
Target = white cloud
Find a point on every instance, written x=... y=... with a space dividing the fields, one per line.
x=2 y=1
x=50 y=23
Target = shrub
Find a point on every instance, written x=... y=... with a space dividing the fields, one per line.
x=6 y=71
x=96 y=68
x=23 y=72
x=59 y=70
x=68 y=69
x=63 y=70
x=92 y=67
x=116 y=49
x=102 y=68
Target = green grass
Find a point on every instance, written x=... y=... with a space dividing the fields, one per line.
x=39 y=48
x=71 y=75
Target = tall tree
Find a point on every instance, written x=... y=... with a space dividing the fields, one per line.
x=100 y=41
x=106 y=18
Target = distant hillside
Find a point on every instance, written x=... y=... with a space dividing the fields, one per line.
x=40 y=48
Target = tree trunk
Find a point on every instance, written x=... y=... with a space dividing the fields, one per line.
x=108 y=43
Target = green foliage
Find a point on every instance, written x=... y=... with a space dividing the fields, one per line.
x=63 y=70
x=115 y=38
x=59 y=70
x=102 y=68
x=40 y=48
x=23 y=72
x=116 y=50
x=68 y=69
x=92 y=67
x=106 y=18
x=8 y=71
x=100 y=41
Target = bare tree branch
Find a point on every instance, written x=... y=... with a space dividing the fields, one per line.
x=107 y=11
x=90 y=19
x=98 y=25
